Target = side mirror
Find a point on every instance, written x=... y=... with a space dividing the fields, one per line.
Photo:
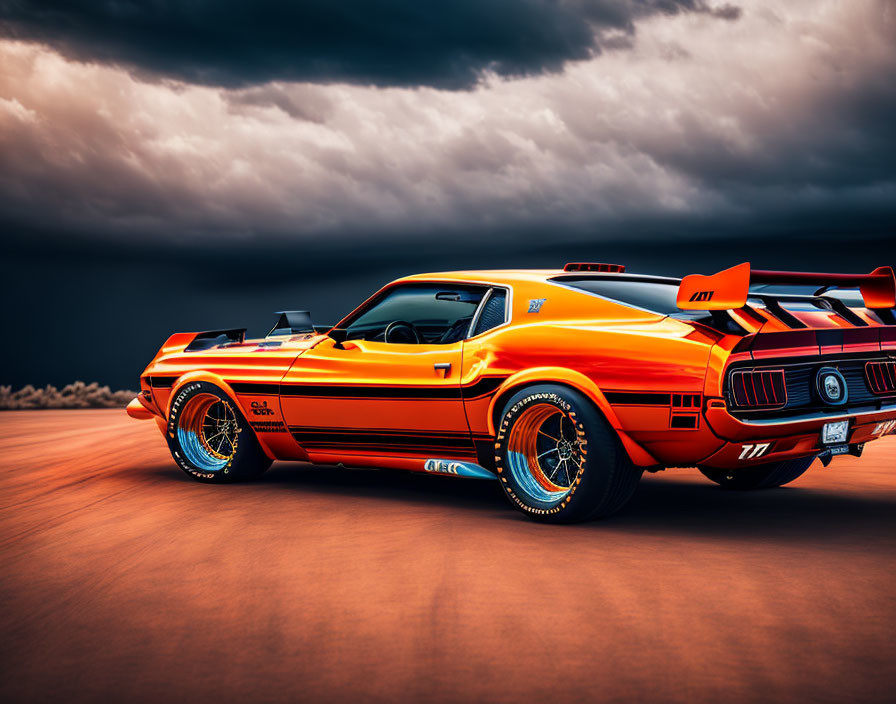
x=338 y=336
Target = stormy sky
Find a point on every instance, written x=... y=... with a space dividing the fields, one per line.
x=172 y=166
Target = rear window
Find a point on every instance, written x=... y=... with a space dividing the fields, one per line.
x=655 y=296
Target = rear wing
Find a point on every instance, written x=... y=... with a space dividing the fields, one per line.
x=729 y=289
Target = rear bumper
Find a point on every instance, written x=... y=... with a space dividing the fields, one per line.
x=770 y=440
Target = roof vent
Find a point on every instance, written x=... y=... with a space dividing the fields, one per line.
x=595 y=266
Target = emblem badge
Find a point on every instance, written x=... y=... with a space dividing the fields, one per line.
x=831 y=386
x=535 y=304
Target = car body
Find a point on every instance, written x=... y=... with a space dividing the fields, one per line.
x=711 y=371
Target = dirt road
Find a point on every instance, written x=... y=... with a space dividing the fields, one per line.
x=124 y=580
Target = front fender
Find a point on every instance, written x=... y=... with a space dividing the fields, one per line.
x=218 y=381
x=580 y=382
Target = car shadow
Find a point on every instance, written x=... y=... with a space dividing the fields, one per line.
x=387 y=484
x=676 y=507
x=789 y=512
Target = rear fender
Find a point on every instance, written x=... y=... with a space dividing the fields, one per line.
x=578 y=381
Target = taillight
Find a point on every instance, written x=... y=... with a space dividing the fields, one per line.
x=759 y=388
x=881 y=377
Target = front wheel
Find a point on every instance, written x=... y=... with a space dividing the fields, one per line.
x=763 y=476
x=210 y=439
x=558 y=459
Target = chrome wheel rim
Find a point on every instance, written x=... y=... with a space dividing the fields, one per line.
x=545 y=453
x=208 y=432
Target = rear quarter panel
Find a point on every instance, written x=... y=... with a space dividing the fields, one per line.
x=600 y=348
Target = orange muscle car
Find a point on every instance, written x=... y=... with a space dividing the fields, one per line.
x=562 y=385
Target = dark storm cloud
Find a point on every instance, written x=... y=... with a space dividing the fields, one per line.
x=700 y=127
x=390 y=42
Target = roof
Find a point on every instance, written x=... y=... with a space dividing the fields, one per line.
x=498 y=276
x=513 y=276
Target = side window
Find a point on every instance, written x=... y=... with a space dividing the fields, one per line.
x=418 y=313
x=493 y=313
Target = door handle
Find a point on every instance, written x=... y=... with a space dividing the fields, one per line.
x=442 y=367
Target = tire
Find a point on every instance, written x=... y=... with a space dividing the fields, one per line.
x=763 y=476
x=210 y=439
x=558 y=459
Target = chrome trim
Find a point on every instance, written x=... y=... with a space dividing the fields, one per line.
x=813 y=416
x=860 y=356
x=508 y=303
x=881 y=362
x=475 y=321
x=732 y=399
x=756 y=365
x=841 y=381
x=457 y=468
x=508 y=309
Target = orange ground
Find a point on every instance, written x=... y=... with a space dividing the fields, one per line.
x=122 y=579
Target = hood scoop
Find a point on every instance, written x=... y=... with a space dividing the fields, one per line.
x=292 y=322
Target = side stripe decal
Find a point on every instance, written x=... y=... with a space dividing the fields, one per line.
x=482 y=387
x=381 y=439
x=252 y=387
x=485 y=386
x=638 y=398
x=346 y=391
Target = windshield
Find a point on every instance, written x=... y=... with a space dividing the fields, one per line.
x=434 y=313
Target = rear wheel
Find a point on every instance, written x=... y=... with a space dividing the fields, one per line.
x=210 y=439
x=558 y=459
x=763 y=476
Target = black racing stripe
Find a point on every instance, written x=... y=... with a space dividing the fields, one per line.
x=162 y=382
x=638 y=398
x=346 y=391
x=380 y=439
x=468 y=450
x=485 y=386
x=377 y=432
x=254 y=387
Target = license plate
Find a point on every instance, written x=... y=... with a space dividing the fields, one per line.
x=835 y=433
x=838 y=450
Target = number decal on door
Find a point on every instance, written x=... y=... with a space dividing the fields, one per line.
x=751 y=452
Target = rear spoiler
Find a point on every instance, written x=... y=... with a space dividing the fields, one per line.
x=729 y=289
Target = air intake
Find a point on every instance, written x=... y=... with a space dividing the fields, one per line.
x=759 y=389
x=881 y=377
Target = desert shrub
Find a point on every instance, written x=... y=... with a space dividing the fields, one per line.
x=77 y=395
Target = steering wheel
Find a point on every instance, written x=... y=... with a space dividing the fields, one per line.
x=402 y=332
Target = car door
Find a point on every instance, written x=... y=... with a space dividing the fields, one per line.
x=373 y=388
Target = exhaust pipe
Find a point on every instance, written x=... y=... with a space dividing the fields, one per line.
x=855 y=450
